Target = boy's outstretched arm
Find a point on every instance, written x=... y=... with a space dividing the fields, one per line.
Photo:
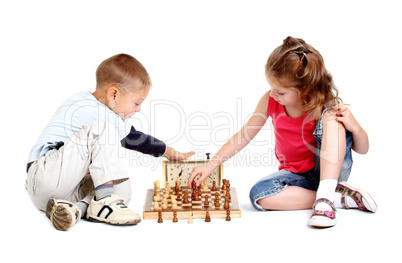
x=360 y=137
x=172 y=154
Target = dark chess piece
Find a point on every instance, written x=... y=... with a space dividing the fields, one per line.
x=226 y=205
x=206 y=203
x=185 y=197
x=213 y=186
x=207 y=217
x=228 y=215
x=160 y=220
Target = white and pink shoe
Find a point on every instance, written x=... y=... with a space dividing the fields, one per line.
x=362 y=198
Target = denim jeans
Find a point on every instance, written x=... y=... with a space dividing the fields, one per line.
x=278 y=181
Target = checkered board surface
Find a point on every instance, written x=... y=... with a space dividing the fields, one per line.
x=196 y=208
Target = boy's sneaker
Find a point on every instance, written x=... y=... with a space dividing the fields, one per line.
x=63 y=214
x=111 y=210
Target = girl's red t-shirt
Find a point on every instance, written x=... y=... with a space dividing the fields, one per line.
x=295 y=145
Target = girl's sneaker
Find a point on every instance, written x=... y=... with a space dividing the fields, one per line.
x=362 y=199
x=111 y=210
x=321 y=218
x=63 y=214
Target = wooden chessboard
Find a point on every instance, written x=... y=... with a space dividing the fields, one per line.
x=196 y=208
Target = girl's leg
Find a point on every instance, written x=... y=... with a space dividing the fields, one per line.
x=333 y=147
x=291 y=198
x=331 y=157
x=284 y=190
x=332 y=154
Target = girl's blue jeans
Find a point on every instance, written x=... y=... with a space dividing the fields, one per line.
x=278 y=181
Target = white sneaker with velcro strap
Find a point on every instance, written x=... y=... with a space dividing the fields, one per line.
x=111 y=210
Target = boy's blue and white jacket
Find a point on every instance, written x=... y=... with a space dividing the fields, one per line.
x=82 y=109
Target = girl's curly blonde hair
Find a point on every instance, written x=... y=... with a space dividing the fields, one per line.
x=297 y=65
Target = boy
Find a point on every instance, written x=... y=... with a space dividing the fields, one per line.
x=74 y=170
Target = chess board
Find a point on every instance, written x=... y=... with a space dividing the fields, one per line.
x=196 y=208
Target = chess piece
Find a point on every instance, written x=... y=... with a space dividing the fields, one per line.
x=223 y=182
x=228 y=196
x=174 y=202
x=167 y=192
x=185 y=197
x=177 y=186
x=160 y=220
x=157 y=185
x=175 y=217
x=164 y=203
x=216 y=197
x=190 y=218
x=216 y=200
x=205 y=186
x=156 y=204
x=207 y=217
x=178 y=182
x=158 y=195
x=226 y=205
x=223 y=188
x=228 y=215
x=206 y=203
x=228 y=185
x=213 y=186
x=195 y=196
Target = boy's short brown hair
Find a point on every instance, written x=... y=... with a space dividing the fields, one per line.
x=123 y=71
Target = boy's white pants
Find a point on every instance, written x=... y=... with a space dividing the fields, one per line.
x=86 y=160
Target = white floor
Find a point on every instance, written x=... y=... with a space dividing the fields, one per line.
x=206 y=61
x=255 y=236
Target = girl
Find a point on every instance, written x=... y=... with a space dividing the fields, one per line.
x=314 y=135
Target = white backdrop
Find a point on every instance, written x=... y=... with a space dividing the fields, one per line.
x=206 y=60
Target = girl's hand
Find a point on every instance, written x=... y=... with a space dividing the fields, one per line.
x=360 y=137
x=203 y=170
x=345 y=116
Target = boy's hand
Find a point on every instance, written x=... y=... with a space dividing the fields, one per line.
x=178 y=156
x=345 y=116
x=173 y=155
